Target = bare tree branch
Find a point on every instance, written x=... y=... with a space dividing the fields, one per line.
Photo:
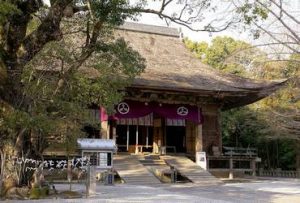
x=276 y=39
x=288 y=27
x=284 y=11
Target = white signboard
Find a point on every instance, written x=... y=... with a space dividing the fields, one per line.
x=201 y=160
x=103 y=159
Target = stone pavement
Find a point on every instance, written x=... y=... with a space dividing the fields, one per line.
x=259 y=191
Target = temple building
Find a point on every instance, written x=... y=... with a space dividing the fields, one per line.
x=175 y=105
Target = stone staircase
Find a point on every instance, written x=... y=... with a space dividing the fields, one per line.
x=191 y=170
x=156 y=166
x=152 y=160
x=133 y=172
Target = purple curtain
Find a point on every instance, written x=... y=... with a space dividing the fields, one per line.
x=134 y=109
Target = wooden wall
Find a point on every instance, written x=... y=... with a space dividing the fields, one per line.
x=190 y=137
x=211 y=128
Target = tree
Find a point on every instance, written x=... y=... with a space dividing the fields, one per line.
x=283 y=106
x=226 y=54
x=251 y=125
x=48 y=54
x=280 y=26
x=280 y=30
x=44 y=90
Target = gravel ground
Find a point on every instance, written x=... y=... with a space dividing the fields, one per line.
x=258 y=191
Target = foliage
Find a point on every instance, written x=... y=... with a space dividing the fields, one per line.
x=226 y=54
x=284 y=105
x=58 y=67
x=7 y=9
x=251 y=126
x=112 y=11
x=252 y=12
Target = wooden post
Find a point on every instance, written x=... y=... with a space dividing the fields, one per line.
x=104 y=130
x=155 y=140
x=253 y=167
x=147 y=137
x=137 y=140
x=164 y=133
x=127 y=140
x=114 y=132
x=190 y=132
x=207 y=163
x=199 y=139
x=230 y=168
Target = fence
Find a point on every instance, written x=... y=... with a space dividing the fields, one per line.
x=238 y=151
x=279 y=173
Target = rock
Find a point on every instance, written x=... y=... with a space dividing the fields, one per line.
x=17 y=193
x=7 y=185
x=23 y=192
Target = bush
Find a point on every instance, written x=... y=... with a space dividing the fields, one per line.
x=35 y=193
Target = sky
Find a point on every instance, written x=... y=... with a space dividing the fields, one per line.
x=196 y=36
x=222 y=11
x=193 y=35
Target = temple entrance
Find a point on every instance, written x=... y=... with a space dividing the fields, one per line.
x=153 y=127
x=128 y=137
x=176 y=139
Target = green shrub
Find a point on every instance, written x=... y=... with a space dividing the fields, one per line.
x=35 y=193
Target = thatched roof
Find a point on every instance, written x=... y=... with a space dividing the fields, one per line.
x=171 y=66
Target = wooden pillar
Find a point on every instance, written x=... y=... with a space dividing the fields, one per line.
x=127 y=139
x=114 y=132
x=253 y=167
x=137 y=140
x=157 y=135
x=230 y=168
x=147 y=137
x=219 y=130
x=164 y=133
x=190 y=132
x=199 y=139
x=104 y=130
x=157 y=139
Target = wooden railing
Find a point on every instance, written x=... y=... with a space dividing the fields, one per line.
x=279 y=173
x=238 y=151
x=234 y=159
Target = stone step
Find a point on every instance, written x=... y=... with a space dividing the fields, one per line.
x=152 y=163
x=191 y=170
x=152 y=157
x=132 y=171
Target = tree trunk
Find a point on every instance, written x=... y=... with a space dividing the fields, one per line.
x=19 y=146
x=8 y=172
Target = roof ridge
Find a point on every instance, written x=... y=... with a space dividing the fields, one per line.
x=151 y=29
